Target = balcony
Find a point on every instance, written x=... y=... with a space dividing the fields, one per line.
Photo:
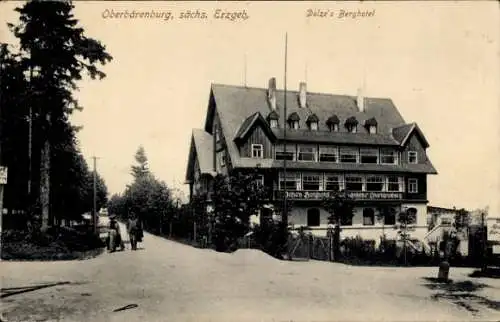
x=319 y=195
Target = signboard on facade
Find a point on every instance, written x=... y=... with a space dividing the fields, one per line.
x=493 y=228
x=3 y=175
x=319 y=195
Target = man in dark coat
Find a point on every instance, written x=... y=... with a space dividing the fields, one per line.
x=134 y=229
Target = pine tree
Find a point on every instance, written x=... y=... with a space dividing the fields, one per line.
x=142 y=167
x=51 y=42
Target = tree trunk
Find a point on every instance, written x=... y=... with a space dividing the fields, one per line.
x=336 y=242
x=45 y=184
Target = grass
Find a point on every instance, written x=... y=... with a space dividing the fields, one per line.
x=58 y=243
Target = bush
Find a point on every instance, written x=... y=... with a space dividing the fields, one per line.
x=357 y=247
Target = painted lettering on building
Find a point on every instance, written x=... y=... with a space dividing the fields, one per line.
x=319 y=195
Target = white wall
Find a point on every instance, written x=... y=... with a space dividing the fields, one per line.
x=298 y=218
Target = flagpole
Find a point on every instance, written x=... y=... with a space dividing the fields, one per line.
x=285 y=210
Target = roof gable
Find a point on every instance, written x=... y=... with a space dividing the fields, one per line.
x=201 y=149
x=249 y=125
x=403 y=133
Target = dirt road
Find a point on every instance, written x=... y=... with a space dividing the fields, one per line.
x=167 y=281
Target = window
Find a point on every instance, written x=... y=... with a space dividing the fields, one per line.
x=409 y=216
x=346 y=221
x=313 y=126
x=328 y=154
x=374 y=183
x=412 y=157
x=369 y=155
x=273 y=123
x=307 y=153
x=394 y=184
x=388 y=156
x=294 y=125
x=260 y=180
x=222 y=158
x=279 y=152
x=257 y=151
x=311 y=182
x=292 y=181
x=372 y=129
x=412 y=185
x=353 y=183
x=352 y=128
x=390 y=216
x=217 y=133
x=368 y=217
x=333 y=127
x=333 y=182
x=313 y=217
x=348 y=155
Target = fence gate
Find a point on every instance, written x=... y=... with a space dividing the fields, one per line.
x=320 y=248
x=298 y=248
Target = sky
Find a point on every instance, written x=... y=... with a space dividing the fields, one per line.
x=437 y=61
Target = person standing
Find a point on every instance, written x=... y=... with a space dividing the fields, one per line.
x=115 y=237
x=134 y=229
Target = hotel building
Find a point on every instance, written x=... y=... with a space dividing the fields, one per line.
x=333 y=142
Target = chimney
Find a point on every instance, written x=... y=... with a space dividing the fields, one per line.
x=271 y=93
x=303 y=95
x=360 y=100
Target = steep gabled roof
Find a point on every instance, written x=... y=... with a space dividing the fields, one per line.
x=234 y=104
x=201 y=149
x=248 y=125
x=404 y=132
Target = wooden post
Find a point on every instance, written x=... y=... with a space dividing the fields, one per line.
x=484 y=243
x=194 y=231
x=1 y=211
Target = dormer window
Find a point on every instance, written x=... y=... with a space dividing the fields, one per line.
x=351 y=124
x=273 y=118
x=371 y=125
x=352 y=128
x=333 y=123
x=312 y=122
x=217 y=134
x=293 y=121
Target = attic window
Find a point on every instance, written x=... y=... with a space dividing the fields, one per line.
x=293 y=121
x=217 y=134
x=333 y=123
x=312 y=122
x=371 y=125
x=351 y=124
x=273 y=118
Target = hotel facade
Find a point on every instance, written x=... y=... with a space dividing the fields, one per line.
x=333 y=142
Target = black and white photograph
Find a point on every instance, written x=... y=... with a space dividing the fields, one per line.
x=249 y=161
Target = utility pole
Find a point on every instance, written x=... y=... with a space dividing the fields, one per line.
x=94 y=210
x=30 y=132
x=284 y=217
